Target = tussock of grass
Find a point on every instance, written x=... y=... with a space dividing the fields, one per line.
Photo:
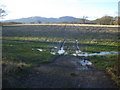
x=73 y=74
x=115 y=75
x=13 y=67
x=11 y=71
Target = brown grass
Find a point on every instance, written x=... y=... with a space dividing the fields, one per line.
x=70 y=25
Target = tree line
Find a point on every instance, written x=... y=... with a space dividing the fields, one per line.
x=105 y=20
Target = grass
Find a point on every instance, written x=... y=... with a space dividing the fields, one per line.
x=73 y=74
x=18 y=41
x=104 y=61
x=21 y=51
x=67 y=24
x=108 y=63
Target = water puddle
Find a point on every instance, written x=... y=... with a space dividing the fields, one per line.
x=53 y=53
x=62 y=51
x=85 y=63
x=77 y=52
x=55 y=47
x=92 y=54
x=65 y=53
x=38 y=49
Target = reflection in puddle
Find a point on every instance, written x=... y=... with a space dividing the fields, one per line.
x=92 y=54
x=84 y=65
x=78 y=52
x=85 y=62
x=53 y=53
x=61 y=51
x=38 y=49
x=65 y=53
x=55 y=47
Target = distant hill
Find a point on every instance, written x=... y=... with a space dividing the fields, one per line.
x=36 y=19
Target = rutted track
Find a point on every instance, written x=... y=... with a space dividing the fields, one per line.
x=63 y=73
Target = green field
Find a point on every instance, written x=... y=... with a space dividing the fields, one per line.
x=18 y=41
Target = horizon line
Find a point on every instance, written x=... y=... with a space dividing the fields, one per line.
x=2 y=19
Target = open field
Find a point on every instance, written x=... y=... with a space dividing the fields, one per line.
x=19 y=40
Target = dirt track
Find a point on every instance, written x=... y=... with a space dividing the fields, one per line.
x=65 y=73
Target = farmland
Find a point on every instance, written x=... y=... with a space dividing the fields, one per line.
x=19 y=40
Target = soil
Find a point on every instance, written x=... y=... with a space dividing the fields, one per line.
x=64 y=72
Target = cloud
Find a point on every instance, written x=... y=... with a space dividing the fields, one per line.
x=73 y=1
x=102 y=0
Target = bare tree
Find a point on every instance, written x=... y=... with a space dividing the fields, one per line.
x=84 y=19
x=2 y=13
x=39 y=21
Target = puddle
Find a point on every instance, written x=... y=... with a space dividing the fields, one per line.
x=74 y=54
x=59 y=52
x=65 y=53
x=47 y=40
x=62 y=51
x=55 y=47
x=78 y=51
x=92 y=54
x=53 y=53
x=38 y=49
x=85 y=62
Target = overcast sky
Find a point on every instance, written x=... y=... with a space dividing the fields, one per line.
x=57 y=8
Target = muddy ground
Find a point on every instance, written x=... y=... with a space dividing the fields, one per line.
x=64 y=72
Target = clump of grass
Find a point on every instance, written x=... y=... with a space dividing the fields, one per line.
x=113 y=72
x=14 y=67
x=13 y=73
x=73 y=74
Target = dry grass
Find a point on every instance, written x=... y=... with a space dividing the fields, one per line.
x=115 y=75
x=69 y=25
x=8 y=66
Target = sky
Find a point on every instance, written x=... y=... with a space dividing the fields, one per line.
x=57 y=8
